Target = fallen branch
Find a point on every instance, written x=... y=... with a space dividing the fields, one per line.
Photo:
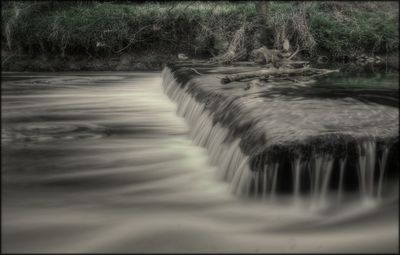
x=132 y=39
x=265 y=73
x=295 y=53
x=194 y=70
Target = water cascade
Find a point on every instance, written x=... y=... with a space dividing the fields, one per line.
x=321 y=168
x=96 y=162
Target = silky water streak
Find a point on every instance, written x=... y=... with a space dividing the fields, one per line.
x=317 y=171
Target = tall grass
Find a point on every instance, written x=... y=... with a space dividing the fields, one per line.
x=196 y=28
x=345 y=29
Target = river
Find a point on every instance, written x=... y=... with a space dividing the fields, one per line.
x=100 y=162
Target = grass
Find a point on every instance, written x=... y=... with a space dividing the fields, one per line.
x=196 y=28
x=346 y=31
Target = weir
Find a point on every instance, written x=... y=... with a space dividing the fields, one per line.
x=325 y=144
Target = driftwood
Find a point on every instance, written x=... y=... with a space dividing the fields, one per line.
x=265 y=73
x=264 y=55
x=278 y=64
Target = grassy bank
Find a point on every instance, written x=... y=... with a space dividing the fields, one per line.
x=199 y=29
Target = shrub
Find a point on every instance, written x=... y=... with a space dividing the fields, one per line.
x=195 y=28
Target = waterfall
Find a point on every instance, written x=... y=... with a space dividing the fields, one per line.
x=228 y=156
x=307 y=171
x=382 y=166
x=341 y=174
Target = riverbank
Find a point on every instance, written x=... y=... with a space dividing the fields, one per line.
x=146 y=62
x=72 y=36
x=127 y=62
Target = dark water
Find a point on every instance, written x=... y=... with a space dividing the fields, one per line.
x=101 y=162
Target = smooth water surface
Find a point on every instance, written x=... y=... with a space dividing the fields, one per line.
x=100 y=162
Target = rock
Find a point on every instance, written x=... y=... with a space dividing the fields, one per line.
x=353 y=56
x=124 y=63
x=182 y=56
x=100 y=45
x=256 y=82
x=322 y=59
x=286 y=45
x=139 y=66
x=74 y=67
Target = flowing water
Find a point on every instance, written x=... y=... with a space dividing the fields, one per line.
x=103 y=162
x=295 y=138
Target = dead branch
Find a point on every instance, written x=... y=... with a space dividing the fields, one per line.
x=194 y=70
x=265 y=73
x=236 y=49
x=295 y=53
x=132 y=39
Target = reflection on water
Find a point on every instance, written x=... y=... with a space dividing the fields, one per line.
x=100 y=162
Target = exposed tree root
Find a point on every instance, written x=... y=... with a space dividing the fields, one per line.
x=236 y=49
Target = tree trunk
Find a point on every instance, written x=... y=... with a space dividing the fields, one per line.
x=265 y=33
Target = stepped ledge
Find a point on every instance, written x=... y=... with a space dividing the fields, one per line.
x=294 y=126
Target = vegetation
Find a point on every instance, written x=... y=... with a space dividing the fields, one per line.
x=198 y=29
x=348 y=29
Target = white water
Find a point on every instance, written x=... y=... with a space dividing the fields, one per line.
x=233 y=165
x=100 y=162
